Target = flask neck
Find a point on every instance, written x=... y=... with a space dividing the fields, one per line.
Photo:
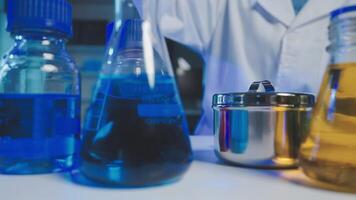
x=39 y=41
x=126 y=9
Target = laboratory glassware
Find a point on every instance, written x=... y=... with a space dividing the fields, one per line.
x=135 y=132
x=329 y=152
x=39 y=90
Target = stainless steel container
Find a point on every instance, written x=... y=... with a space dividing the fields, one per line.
x=261 y=129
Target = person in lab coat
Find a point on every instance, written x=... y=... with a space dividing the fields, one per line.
x=242 y=41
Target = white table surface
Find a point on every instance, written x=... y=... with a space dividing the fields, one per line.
x=206 y=179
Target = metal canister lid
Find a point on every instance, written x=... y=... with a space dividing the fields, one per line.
x=267 y=98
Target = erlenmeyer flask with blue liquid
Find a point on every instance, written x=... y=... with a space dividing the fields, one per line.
x=135 y=133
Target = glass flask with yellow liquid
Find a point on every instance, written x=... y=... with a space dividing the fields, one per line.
x=329 y=152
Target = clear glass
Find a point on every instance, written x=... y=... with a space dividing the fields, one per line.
x=135 y=133
x=39 y=106
x=125 y=9
x=329 y=153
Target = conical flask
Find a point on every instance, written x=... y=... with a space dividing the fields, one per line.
x=135 y=132
x=329 y=153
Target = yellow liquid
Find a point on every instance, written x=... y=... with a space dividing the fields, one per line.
x=329 y=152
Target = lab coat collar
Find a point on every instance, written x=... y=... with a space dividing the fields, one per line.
x=283 y=11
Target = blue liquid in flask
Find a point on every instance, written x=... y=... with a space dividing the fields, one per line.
x=135 y=135
x=39 y=133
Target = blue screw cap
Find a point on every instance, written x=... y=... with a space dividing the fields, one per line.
x=40 y=15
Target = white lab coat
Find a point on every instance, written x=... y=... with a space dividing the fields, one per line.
x=247 y=40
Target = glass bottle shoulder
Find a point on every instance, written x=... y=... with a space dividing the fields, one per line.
x=38 y=65
x=47 y=60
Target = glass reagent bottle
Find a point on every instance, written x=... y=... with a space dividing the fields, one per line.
x=329 y=153
x=39 y=91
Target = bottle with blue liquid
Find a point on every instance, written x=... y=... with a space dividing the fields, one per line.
x=135 y=133
x=39 y=90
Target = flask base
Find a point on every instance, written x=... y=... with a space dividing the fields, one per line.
x=119 y=175
x=36 y=166
x=339 y=174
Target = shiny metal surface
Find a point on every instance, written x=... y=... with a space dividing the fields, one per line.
x=264 y=99
x=261 y=129
x=267 y=98
x=267 y=137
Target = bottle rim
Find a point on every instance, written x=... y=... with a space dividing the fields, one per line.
x=340 y=11
x=342 y=30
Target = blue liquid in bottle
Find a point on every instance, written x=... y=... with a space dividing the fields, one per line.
x=39 y=91
x=135 y=135
x=38 y=132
